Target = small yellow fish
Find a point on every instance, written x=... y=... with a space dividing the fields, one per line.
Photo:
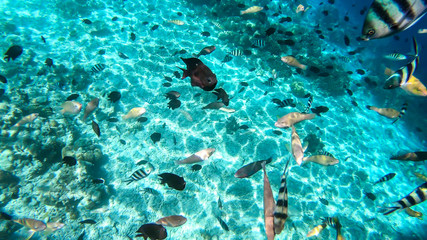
x=415 y=87
x=71 y=107
x=414 y=213
x=134 y=113
x=26 y=119
x=291 y=61
x=315 y=231
x=421 y=176
x=253 y=9
x=177 y=22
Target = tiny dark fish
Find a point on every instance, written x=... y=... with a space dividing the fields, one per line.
x=96 y=129
x=167 y=84
x=132 y=36
x=349 y=92
x=314 y=69
x=169 y=79
x=172 y=95
x=346 y=18
x=223 y=224
x=354 y=103
x=142 y=119
x=270 y=31
x=101 y=52
x=98 y=68
x=277 y=132
x=196 y=167
x=5 y=216
x=112 y=119
x=324 y=201
x=87 y=21
x=98 y=180
x=245 y=84
x=319 y=110
x=155 y=137
x=346 y=40
x=154 y=27
x=123 y=142
x=288 y=42
x=370 y=195
x=88 y=221
x=174 y=104
x=331 y=1
x=70 y=161
x=247 y=52
x=325 y=12
x=222 y=94
x=227 y=58
x=115 y=18
x=244 y=127
x=206 y=34
x=43 y=39
x=3 y=79
x=360 y=71
x=385 y=178
x=242 y=89
x=13 y=52
x=49 y=62
x=114 y=96
x=152 y=231
x=219 y=203
x=177 y=74
x=122 y=55
x=321 y=36
x=173 y=181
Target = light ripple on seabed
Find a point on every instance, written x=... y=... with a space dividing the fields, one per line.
x=54 y=192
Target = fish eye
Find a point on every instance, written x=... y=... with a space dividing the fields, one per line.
x=371 y=32
x=209 y=80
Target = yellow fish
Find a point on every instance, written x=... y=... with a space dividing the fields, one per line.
x=413 y=213
x=421 y=176
x=415 y=87
x=134 y=113
x=71 y=107
x=315 y=231
x=253 y=9
x=177 y=22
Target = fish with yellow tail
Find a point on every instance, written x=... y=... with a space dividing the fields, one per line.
x=71 y=107
x=292 y=61
x=253 y=9
x=412 y=156
x=269 y=206
x=134 y=113
x=386 y=112
x=316 y=230
x=33 y=224
x=417 y=196
x=199 y=156
x=293 y=118
x=337 y=225
x=281 y=209
x=414 y=213
x=412 y=87
x=26 y=119
x=90 y=107
x=296 y=146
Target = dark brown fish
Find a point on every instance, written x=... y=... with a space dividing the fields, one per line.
x=95 y=128
x=173 y=181
x=13 y=52
x=201 y=76
x=70 y=161
x=49 y=62
x=88 y=221
x=222 y=94
x=251 y=168
x=152 y=231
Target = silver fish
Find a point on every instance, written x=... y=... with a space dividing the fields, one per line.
x=387 y=17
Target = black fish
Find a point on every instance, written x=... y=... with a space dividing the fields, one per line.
x=370 y=195
x=222 y=223
x=174 y=103
x=201 y=76
x=87 y=21
x=360 y=71
x=325 y=12
x=81 y=236
x=349 y=92
x=154 y=27
x=169 y=79
x=43 y=39
x=98 y=68
x=95 y=128
x=176 y=74
x=122 y=55
x=385 y=178
x=155 y=137
x=346 y=18
x=152 y=231
x=49 y=62
x=132 y=36
x=270 y=31
x=285 y=103
x=227 y=58
x=5 y=216
x=166 y=84
x=101 y=52
x=288 y=42
x=13 y=52
x=206 y=34
x=88 y=221
x=122 y=141
x=142 y=119
x=98 y=180
x=222 y=94
x=319 y=110
x=324 y=201
x=112 y=119
x=70 y=161
x=346 y=40
x=173 y=181
x=115 y=18
x=277 y=132
x=3 y=79
x=114 y=96
x=196 y=167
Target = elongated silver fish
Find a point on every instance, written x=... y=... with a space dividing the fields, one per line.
x=387 y=17
x=417 y=196
x=281 y=210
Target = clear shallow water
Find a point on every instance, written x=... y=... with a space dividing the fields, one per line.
x=362 y=140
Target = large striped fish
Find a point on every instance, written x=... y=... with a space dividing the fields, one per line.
x=387 y=17
x=417 y=196
x=281 y=210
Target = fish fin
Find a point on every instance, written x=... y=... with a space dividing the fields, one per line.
x=185 y=74
x=391 y=210
x=288 y=147
x=305 y=146
x=31 y=235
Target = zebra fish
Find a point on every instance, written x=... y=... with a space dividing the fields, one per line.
x=98 y=68
x=387 y=17
x=385 y=178
x=141 y=173
x=402 y=76
x=402 y=112
x=285 y=103
x=281 y=210
x=236 y=52
x=309 y=102
x=259 y=43
x=418 y=195
x=396 y=56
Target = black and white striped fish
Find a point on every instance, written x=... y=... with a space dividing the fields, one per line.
x=236 y=52
x=323 y=152
x=259 y=43
x=98 y=68
x=387 y=17
x=309 y=102
x=417 y=196
x=329 y=221
x=385 y=178
x=141 y=173
x=281 y=209
x=402 y=112
x=396 y=56
x=285 y=103
x=401 y=76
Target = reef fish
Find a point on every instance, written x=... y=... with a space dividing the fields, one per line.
x=152 y=231
x=292 y=61
x=296 y=146
x=325 y=160
x=90 y=107
x=33 y=224
x=319 y=110
x=269 y=206
x=292 y=118
x=26 y=119
x=199 y=156
x=316 y=230
x=214 y=105
x=141 y=173
x=134 y=113
x=172 y=221
x=95 y=128
x=71 y=107
x=253 y=9
x=98 y=68
x=285 y=103
x=201 y=76
x=222 y=94
x=387 y=17
x=396 y=56
x=401 y=113
x=206 y=50
x=412 y=156
x=418 y=195
x=251 y=168
x=385 y=178
x=386 y=112
x=281 y=209
x=414 y=213
x=13 y=52
x=173 y=181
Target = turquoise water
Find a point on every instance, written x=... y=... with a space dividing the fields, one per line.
x=35 y=183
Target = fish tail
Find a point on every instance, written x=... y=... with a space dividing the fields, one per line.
x=185 y=74
x=415 y=47
x=391 y=210
x=31 y=235
x=368 y=107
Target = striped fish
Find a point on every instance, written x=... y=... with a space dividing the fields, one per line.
x=396 y=56
x=140 y=174
x=387 y=17
x=98 y=68
x=385 y=178
x=329 y=221
x=401 y=76
x=402 y=112
x=309 y=102
x=259 y=43
x=236 y=52
x=281 y=210
x=417 y=196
